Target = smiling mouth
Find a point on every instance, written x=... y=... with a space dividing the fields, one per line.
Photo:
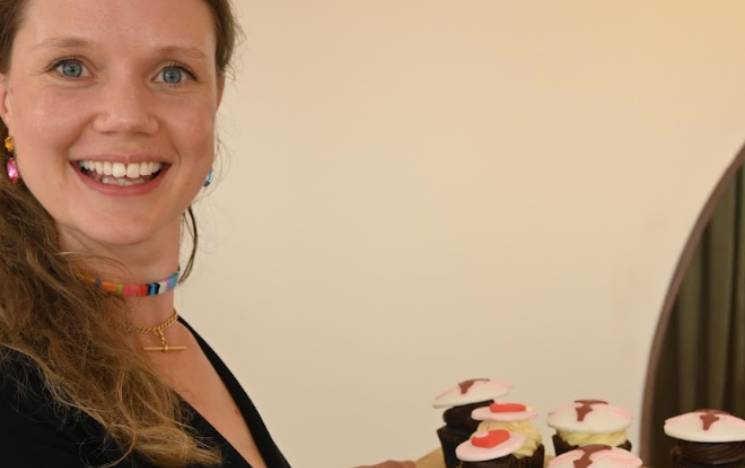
x=122 y=175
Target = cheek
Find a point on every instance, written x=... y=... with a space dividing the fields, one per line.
x=196 y=131
x=58 y=118
x=48 y=126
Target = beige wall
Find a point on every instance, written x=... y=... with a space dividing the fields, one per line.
x=423 y=191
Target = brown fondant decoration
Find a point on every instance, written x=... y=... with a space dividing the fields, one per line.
x=709 y=417
x=585 y=461
x=467 y=384
x=585 y=408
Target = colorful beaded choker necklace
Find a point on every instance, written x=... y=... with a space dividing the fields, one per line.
x=135 y=290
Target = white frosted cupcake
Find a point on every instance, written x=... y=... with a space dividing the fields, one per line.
x=459 y=401
x=515 y=418
x=707 y=438
x=596 y=456
x=491 y=449
x=589 y=422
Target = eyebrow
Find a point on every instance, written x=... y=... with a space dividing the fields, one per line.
x=61 y=43
x=191 y=52
x=72 y=42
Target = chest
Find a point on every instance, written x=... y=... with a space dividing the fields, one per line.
x=194 y=378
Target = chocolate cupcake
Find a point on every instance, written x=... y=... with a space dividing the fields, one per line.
x=460 y=401
x=596 y=456
x=492 y=449
x=707 y=438
x=589 y=422
x=515 y=418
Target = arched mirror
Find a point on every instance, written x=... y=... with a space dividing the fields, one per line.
x=698 y=354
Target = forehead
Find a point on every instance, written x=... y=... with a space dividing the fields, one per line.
x=129 y=23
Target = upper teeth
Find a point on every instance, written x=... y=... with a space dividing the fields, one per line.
x=131 y=171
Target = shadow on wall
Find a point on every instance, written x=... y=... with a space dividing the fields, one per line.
x=698 y=354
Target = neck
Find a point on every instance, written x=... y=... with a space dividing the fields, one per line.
x=150 y=261
x=152 y=311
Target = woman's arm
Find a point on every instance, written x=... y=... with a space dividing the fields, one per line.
x=392 y=464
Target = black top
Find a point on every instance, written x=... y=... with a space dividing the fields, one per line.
x=32 y=435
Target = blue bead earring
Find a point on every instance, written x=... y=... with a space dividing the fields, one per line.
x=208 y=180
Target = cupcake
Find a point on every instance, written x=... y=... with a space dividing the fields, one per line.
x=707 y=438
x=492 y=449
x=459 y=402
x=596 y=456
x=588 y=422
x=515 y=418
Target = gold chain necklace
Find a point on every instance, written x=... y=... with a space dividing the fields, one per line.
x=158 y=331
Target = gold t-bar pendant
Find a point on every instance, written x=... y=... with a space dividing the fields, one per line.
x=164 y=347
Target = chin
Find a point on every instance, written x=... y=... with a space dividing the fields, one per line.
x=111 y=233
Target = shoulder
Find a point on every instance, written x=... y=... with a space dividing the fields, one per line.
x=25 y=405
x=34 y=430
x=21 y=384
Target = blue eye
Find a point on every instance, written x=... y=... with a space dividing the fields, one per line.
x=173 y=75
x=71 y=68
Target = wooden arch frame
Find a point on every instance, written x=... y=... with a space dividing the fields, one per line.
x=672 y=293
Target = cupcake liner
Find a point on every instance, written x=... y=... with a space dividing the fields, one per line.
x=459 y=417
x=510 y=461
x=680 y=462
x=710 y=453
x=450 y=439
x=561 y=446
x=538 y=458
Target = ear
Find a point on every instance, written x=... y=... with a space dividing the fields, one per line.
x=220 y=88
x=6 y=110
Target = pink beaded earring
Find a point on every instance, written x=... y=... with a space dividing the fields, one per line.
x=12 y=166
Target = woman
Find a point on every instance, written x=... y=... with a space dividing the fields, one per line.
x=109 y=110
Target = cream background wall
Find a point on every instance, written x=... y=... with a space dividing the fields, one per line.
x=418 y=192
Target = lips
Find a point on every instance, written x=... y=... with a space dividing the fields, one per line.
x=112 y=186
x=120 y=174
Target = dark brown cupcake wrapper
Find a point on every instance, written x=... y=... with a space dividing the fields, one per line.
x=459 y=417
x=450 y=439
x=561 y=446
x=681 y=462
x=538 y=458
x=511 y=461
x=702 y=454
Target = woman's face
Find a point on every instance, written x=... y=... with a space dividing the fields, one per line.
x=101 y=93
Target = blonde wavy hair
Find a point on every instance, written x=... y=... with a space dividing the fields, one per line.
x=63 y=326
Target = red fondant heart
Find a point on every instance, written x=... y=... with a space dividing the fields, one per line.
x=491 y=439
x=506 y=407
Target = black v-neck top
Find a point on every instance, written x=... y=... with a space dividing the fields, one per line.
x=34 y=435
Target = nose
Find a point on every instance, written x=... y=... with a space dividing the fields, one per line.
x=126 y=106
